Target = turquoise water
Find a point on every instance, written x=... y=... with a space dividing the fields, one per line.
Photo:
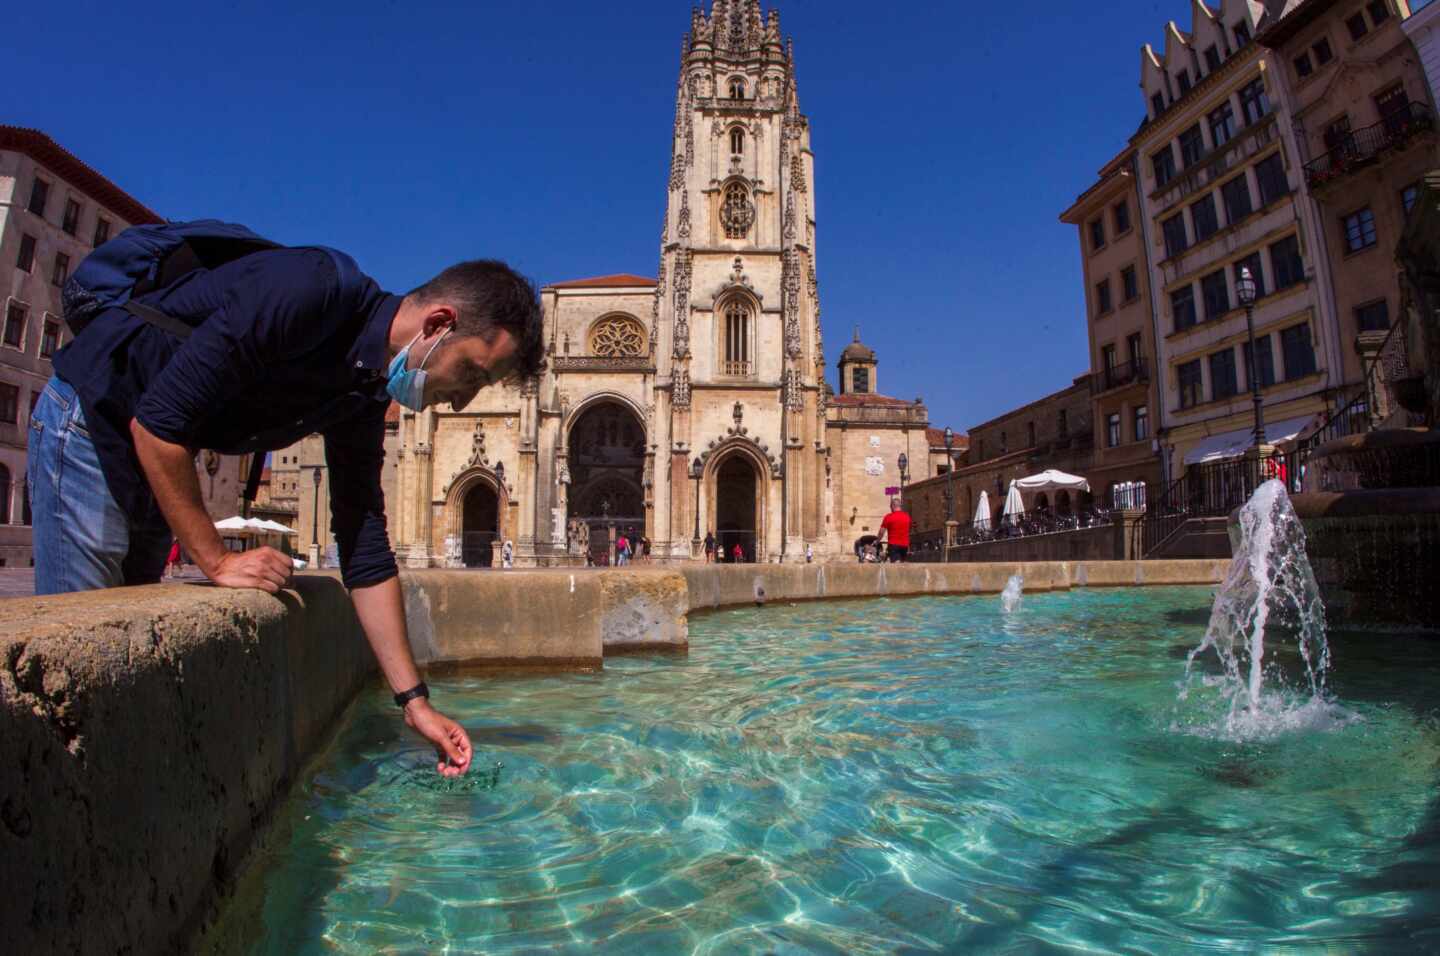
x=924 y=775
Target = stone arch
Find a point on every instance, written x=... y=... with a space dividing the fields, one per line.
x=736 y=319
x=453 y=530
x=591 y=401
x=617 y=335
x=607 y=458
x=737 y=484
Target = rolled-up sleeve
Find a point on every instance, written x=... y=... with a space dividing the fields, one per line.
x=267 y=312
x=356 y=453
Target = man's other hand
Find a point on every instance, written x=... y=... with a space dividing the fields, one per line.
x=452 y=744
x=263 y=568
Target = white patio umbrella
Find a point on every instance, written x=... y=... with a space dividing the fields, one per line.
x=982 y=512
x=1014 y=505
x=238 y=525
x=275 y=526
x=1052 y=480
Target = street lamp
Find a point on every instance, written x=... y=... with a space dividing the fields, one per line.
x=315 y=522
x=1245 y=290
x=697 y=468
x=904 y=463
x=949 y=474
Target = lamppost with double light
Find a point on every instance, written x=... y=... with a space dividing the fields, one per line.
x=315 y=522
x=949 y=490
x=1245 y=289
x=697 y=468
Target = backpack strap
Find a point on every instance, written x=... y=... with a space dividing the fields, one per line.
x=155 y=317
x=252 y=483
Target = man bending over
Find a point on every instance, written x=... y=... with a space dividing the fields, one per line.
x=286 y=342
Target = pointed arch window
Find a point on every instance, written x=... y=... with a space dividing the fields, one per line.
x=737 y=89
x=736 y=329
x=737 y=141
x=737 y=214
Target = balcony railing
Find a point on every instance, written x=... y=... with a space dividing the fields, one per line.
x=1118 y=376
x=1362 y=146
x=738 y=369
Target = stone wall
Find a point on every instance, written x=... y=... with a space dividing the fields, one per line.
x=150 y=734
x=147 y=735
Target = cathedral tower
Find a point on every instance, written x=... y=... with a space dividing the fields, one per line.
x=736 y=310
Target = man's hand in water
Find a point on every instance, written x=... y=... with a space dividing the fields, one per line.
x=451 y=742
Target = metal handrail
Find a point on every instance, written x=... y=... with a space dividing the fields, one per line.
x=1118 y=376
x=1364 y=144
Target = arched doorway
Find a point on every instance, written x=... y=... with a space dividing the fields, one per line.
x=480 y=527
x=737 y=499
x=607 y=471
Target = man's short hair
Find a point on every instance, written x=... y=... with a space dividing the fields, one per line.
x=487 y=295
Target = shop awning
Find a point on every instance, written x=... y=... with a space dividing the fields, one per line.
x=1233 y=444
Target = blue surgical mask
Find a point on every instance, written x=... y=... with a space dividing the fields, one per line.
x=407 y=386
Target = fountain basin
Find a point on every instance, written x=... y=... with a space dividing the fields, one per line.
x=1391 y=458
x=1376 y=555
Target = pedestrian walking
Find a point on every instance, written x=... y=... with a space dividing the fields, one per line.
x=709 y=547
x=896 y=526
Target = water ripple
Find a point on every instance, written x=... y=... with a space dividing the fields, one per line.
x=917 y=776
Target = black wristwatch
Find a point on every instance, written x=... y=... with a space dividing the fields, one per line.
x=419 y=690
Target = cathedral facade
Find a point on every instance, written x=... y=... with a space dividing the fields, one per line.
x=686 y=405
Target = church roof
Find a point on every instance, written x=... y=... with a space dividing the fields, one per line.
x=620 y=280
x=853 y=399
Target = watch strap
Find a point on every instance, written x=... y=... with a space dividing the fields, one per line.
x=419 y=690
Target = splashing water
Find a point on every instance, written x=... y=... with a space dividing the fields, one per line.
x=1270 y=583
x=1010 y=597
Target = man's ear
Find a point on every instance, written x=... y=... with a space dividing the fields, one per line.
x=438 y=318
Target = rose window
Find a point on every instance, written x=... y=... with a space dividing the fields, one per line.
x=618 y=337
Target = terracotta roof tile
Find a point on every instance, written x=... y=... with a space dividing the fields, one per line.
x=73 y=170
x=392 y=414
x=620 y=280
x=936 y=437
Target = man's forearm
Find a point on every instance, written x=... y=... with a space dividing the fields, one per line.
x=381 y=609
x=170 y=470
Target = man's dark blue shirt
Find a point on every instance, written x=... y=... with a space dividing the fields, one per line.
x=287 y=343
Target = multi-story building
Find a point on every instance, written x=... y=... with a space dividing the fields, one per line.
x=1365 y=130
x=53 y=210
x=1220 y=179
x=1053 y=432
x=1123 y=386
x=1421 y=24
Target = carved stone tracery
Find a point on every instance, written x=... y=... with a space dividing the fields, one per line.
x=737 y=214
x=682 y=303
x=617 y=336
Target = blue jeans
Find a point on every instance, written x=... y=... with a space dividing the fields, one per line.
x=82 y=539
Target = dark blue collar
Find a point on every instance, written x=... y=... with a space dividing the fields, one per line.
x=371 y=352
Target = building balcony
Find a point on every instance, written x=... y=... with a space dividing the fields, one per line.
x=1367 y=145
x=1119 y=376
x=737 y=369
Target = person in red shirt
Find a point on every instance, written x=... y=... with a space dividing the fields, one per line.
x=896 y=528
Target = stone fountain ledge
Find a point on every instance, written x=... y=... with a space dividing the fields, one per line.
x=148 y=734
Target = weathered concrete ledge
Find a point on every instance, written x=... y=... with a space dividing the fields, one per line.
x=148 y=734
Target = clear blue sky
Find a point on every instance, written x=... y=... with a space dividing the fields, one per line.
x=948 y=140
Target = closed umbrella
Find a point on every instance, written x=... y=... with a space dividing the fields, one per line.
x=982 y=513
x=1014 y=506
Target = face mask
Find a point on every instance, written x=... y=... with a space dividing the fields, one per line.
x=407 y=386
